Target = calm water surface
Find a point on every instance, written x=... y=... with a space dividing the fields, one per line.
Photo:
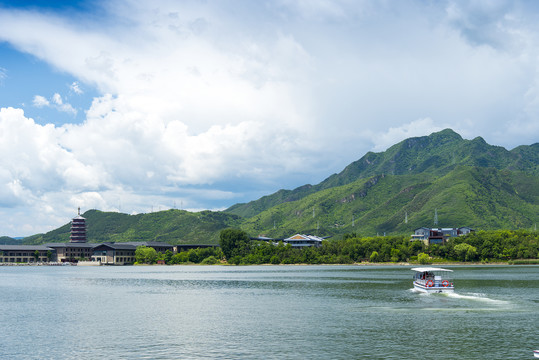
x=266 y=312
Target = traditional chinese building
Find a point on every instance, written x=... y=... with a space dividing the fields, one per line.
x=78 y=229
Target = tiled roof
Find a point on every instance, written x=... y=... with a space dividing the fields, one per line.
x=149 y=243
x=117 y=246
x=24 y=248
x=72 y=245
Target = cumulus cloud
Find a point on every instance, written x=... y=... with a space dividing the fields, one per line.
x=198 y=103
x=56 y=102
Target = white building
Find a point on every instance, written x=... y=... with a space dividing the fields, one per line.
x=300 y=241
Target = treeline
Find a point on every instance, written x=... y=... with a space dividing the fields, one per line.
x=237 y=248
x=484 y=246
x=491 y=245
x=204 y=256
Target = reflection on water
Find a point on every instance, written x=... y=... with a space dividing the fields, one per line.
x=291 y=312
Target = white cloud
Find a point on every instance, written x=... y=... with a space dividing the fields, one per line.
x=198 y=102
x=57 y=99
x=75 y=87
x=40 y=101
x=418 y=127
x=61 y=106
x=57 y=103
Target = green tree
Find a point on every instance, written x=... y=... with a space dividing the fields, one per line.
x=395 y=255
x=168 y=256
x=234 y=242
x=139 y=254
x=465 y=252
x=423 y=258
x=36 y=255
x=179 y=258
x=471 y=253
x=145 y=255
x=375 y=257
x=49 y=255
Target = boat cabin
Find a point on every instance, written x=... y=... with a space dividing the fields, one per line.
x=431 y=279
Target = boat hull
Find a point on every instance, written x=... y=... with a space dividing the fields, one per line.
x=433 y=289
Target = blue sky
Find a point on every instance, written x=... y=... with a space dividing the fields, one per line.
x=131 y=106
x=24 y=77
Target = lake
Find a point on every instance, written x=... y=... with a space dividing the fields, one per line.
x=265 y=312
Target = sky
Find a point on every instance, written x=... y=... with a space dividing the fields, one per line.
x=141 y=106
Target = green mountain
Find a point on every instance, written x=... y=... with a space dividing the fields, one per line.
x=466 y=182
x=482 y=198
x=172 y=226
x=437 y=154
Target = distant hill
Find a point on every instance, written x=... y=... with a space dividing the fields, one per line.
x=436 y=154
x=172 y=226
x=6 y=240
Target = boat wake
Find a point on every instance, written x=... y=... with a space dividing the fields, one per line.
x=477 y=297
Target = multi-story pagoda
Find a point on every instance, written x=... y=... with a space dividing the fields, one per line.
x=78 y=229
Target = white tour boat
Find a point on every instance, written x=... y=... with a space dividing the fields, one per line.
x=430 y=280
x=536 y=353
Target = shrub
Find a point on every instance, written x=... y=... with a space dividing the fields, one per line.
x=210 y=260
x=423 y=258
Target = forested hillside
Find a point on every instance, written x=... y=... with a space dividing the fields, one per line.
x=172 y=226
x=436 y=155
x=483 y=198
x=6 y=240
x=464 y=182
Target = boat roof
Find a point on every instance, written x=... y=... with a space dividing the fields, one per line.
x=423 y=269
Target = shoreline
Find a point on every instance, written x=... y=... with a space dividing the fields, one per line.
x=367 y=264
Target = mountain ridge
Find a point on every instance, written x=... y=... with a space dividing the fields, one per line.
x=440 y=152
x=383 y=204
x=466 y=182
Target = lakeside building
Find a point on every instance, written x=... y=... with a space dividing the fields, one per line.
x=157 y=245
x=124 y=253
x=68 y=252
x=439 y=236
x=300 y=241
x=25 y=253
x=108 y=253
x=296 y=241
x=114 y=253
